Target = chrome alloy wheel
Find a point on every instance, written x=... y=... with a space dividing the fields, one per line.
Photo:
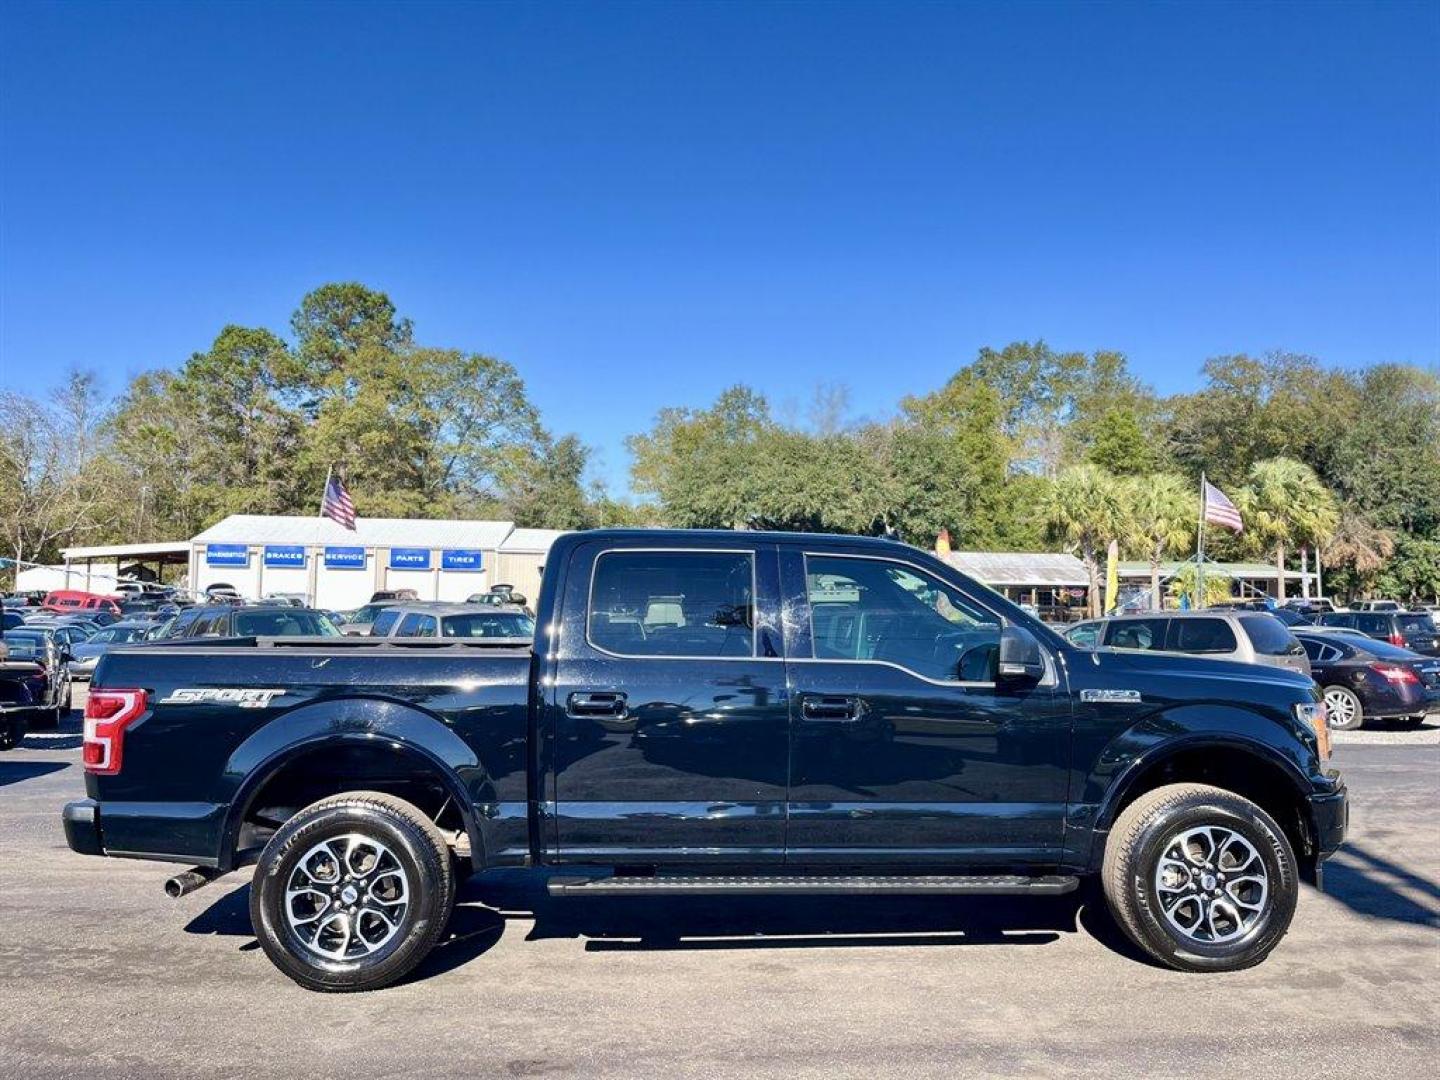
x=1340 y=707
x=1212 y=884
x=347 y=897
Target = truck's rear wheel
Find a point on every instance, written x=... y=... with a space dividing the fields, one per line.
x=352 y=892
x=1200 y=878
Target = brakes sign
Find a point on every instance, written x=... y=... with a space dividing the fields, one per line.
x=241 y=698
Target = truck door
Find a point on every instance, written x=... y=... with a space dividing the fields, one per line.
x=902 y=748
x=668 y=708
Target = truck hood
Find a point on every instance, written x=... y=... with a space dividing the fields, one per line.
x=1158 y=665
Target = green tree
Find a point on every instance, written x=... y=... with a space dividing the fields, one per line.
x=703 y=466
x=1185 y=585
x=1160 y=515
x=1083 y=511
x=1119 y=445
x=1283 y=505
x=1355 y=553
x=546 y=489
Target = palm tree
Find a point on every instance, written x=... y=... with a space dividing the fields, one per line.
x=1283 y=505
x=1161 y=513
x=1082 y=509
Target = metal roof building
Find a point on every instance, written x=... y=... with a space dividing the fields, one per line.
x=1021 y=569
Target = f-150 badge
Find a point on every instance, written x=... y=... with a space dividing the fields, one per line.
x=244 y=698
x=1112 y=697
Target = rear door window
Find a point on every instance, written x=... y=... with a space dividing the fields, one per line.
x=673 y=603
x=1137 y=634
x=1373 y=624
x=1203 y=636
x=384 y=622
x=1269 y=636
x=416 y=625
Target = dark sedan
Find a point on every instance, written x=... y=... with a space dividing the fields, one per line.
x=36 y=677
x=1364 y=679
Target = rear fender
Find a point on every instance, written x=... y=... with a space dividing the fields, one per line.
x=409 y=732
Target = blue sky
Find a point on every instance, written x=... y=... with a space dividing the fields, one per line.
x=640 y=204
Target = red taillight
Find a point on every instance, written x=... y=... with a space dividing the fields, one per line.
x=107 y=714
x=1397 y=638
x=1395 y=674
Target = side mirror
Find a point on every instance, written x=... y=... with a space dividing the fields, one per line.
x=1022 y=662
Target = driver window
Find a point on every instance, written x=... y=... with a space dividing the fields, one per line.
x=869 y=609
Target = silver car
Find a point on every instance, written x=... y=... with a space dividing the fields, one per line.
x=1251 y=637
x=453 y=621
x=86 y=654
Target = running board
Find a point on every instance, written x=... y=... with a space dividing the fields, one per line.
x=813 y=885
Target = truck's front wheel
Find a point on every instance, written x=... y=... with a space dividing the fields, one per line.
x=1200 y=878
x=352 y=892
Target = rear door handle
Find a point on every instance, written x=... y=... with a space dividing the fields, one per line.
x=590 y=703
x=830 y=709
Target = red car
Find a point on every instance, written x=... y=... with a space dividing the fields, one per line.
x=74 y=601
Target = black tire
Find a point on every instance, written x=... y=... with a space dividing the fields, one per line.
x=1353 y=712
x=1148 y=829
x=408 y=838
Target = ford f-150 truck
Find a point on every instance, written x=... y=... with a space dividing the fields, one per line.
x=714 y=713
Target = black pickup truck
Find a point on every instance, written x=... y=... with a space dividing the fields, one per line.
x=714 y=713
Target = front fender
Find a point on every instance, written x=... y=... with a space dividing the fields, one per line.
x=1117 y=744
x=376 y=723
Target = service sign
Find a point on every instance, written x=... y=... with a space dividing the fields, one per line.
x=409 y=558
x=461 y=559
x=227 y=555
x=291 y=555
x=344 y=558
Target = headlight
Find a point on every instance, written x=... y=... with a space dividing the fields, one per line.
x=1312 y=713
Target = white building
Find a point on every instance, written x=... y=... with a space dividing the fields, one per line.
x=337 y=568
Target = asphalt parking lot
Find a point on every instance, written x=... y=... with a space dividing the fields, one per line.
x=102 y=975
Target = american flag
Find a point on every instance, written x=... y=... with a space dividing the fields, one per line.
x=1221 y=511
x=336 y=504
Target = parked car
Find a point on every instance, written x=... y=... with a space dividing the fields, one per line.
x=453 y=621
x=1364 y=679
x=68 y=633
x=289 y=599
x=393 y=595
x=1085 y=635
x=1407 y=629
x=716 y=713
x=1291 y=617
x=35 y=677
x=73 y=601
x=11 y=617
x=499 y=597
x=1377 y=605
x=1311 y=606
x=1250 y=637
x=84 y=655
x=232 y=620
x=362 y=619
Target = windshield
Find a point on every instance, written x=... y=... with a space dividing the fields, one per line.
x=118 y=635
x=25 y=646
x=499 y=624
x=1382 y=650
x=283 y=623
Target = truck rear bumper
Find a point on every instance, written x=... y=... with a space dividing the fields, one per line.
x=82 y=827
x=164 y=832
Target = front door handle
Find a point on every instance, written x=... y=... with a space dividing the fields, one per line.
x=591 y=703
x=830 y=709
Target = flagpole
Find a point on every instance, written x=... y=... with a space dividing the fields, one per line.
x=319 y=540
x=1200 y=550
